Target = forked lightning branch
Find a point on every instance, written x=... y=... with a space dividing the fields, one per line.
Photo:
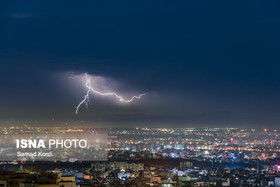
x=91 y=89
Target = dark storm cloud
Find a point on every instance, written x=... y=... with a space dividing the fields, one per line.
x=203 y=63
x=19 y=15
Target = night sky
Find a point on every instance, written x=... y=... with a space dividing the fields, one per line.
x=201 y=63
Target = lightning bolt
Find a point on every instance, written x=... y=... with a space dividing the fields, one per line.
x=90 y=89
